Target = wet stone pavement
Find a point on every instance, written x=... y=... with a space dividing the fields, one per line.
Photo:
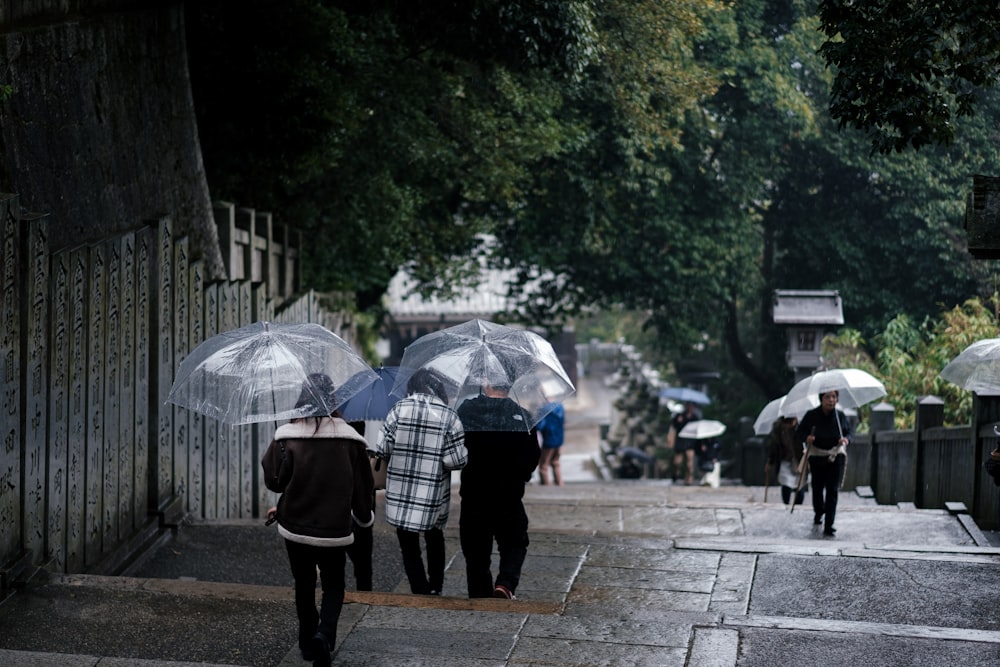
x=618 y=573
x=637 y=573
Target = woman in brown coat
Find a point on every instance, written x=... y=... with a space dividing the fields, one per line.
x=320 y=467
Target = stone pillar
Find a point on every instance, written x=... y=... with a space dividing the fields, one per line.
x=11 y=269
x=929 y=413
x=883 y=418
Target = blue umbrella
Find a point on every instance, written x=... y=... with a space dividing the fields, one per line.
x=374 y=401
x=685 y=395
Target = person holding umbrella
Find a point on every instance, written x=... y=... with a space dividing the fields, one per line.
x=319 y=464
x=684 y=448
x=551 y=430
x=784 y=452
x=422 y=441
x=502 y=459
x=826 y=432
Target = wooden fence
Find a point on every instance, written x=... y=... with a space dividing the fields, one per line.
x=93 y=464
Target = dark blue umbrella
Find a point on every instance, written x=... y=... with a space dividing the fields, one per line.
x=374 y=401
x=685 y=395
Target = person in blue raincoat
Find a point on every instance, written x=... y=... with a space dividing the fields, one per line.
x=550 y=430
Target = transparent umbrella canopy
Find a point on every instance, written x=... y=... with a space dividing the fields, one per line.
x=261 y=372
x=776 y=408
x=976 y=368
x=479 y=356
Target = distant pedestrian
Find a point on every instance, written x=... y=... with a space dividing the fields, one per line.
x=784 y=454
x=684 y=448
x=501 y=461
x=707 y=453
x=422 y=442
x=320 y=467
x=550 y=430
x=826 y=432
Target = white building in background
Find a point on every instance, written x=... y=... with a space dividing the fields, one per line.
x=412 y=316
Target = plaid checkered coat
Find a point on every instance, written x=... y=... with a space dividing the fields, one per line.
x=423 y=440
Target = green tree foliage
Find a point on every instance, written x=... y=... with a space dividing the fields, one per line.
x=675 y=159
x=388 y=131
x=908 y=71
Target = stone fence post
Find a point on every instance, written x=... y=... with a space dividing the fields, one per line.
x=929 y=413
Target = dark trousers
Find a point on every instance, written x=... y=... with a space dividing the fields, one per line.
x=360 y=553
x=826 y=476
x=423 y=582
x=481 y=523
x=786 y=495
x=304 y=559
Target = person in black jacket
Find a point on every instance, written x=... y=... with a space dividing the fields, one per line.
x=826 y=432
x=320 y=467
x=500 y=462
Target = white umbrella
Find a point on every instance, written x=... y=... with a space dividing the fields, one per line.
x=976 y=368
x=776 y=409
x=701 y=429
x=855 y=386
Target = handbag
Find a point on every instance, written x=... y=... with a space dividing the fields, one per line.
x=378 y=471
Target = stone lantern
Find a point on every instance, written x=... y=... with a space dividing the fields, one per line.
x=807 y=316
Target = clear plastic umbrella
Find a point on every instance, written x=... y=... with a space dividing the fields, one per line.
x=266 y=372
x=481 y=362
x=976 y=368
x=776 y=408
x=855 y=386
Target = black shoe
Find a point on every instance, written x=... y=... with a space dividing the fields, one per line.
x=818 y=519
x=321 y=650
x=830 y=532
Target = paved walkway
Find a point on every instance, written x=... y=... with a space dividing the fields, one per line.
x=618 y=573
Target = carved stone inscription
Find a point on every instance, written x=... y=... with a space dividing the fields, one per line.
x=93 y=474
x=112 y=394
x=164 y=347
x=10 y=371
x=249 y=458
x=76 y=446
x=36 y=375
x=196 y=421
x=59 y=369
x=140 y=402
x=212 y=426
x=181 y=347
x=126 y=395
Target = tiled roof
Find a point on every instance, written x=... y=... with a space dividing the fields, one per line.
x=807 y=307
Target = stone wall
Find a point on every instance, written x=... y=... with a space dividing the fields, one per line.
x=94 y=464
x=100 y=130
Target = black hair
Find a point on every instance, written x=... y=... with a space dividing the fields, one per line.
x=318 y=392
x=427 y=381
